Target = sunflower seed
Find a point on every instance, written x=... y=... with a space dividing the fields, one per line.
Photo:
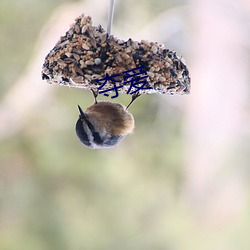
x=85 y=46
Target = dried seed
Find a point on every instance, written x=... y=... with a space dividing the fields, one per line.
x=95 y=76
x=120 y=42
x=93 y=42
x=82 y=62
x=90 y=52
x=88 y=72
x=135 y=45
x=103 y=37
x=128 y=50
x=90 y=32
x=83 y=21
x=77 y=57
x=150 y=74
x=64 y=43
x=145 y=42
x=154 y=49
x=69 y=60
x=126 y=56
x=77 y=51
x=85 y=46
x=61 y=62
x=89 y=77
x=70 y=32
x=77 y=29
x=68 y=54
x=98 y=61
x=84 y=29
x=88 y=62
x=78 y=70
x=77 y=79
x=119 y=59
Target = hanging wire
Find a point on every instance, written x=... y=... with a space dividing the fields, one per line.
x=110 y=15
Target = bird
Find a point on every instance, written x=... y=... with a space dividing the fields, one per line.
x=104 y=124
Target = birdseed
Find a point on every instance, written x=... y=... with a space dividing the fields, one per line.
x=87 y=53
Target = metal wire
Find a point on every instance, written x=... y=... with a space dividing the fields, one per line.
x=110 y=15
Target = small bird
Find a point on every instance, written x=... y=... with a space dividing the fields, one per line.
x=103 y=124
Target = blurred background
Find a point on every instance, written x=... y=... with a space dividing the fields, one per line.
x=180 y=182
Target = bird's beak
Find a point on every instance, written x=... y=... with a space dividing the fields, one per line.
x=82 y=115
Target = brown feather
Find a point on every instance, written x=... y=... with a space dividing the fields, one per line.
x=111 y=117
